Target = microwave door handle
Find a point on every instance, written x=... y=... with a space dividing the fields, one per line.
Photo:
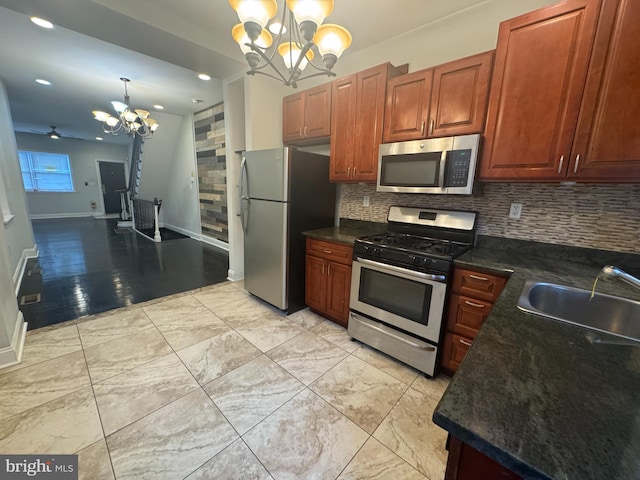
x=443 y=165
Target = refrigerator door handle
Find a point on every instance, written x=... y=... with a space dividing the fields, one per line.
x=243 y=198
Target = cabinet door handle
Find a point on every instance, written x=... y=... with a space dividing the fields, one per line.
x=322 y=268
x=478 y=277
x=422 y=128
x=575 y=168
x=471 y=304
x=561 y=162
x=327 y=251
x=464 y=342
x=354 y=171
x=300 y=132
x=433 y=122
x=349 y=172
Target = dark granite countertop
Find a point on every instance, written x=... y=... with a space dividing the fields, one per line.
x=347 y=232
x=533 y=393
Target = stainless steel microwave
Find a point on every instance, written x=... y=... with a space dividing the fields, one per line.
x=436 y=165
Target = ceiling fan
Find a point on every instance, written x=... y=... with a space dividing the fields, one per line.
x=53 y=133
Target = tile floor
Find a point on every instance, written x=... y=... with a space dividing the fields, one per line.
x=212 y=384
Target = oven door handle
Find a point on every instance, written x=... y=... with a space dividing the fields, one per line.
x=396 y=337
x=406 y=271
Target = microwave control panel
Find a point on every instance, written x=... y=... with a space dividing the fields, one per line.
x=457 y=168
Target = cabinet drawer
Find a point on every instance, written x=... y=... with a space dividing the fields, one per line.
x=478 y=284
x=453 y=351
x=335 y=252
x=466 y=315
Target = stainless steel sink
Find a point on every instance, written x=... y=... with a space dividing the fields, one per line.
x=604 y=313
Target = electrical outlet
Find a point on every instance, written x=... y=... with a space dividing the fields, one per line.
x=365 y=201
x=515 y=211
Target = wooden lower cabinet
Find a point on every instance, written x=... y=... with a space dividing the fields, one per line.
x=470 y=303
x=328 y=279
x=466 y=463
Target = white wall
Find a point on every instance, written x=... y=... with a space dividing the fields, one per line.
x=263 y=112
x=82 y=156
x=181 y=211
x=16 y=240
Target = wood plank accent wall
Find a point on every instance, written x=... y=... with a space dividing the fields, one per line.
x=581 y=215
x=212 y=171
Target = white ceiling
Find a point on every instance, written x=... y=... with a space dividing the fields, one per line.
x=159 y=44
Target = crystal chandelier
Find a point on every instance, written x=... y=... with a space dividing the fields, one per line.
x=128 y=121
x=299 y=34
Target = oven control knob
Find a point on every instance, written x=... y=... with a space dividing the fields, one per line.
x=415 y=260
x=426 y=261
x=367 y=248
x=377 y=251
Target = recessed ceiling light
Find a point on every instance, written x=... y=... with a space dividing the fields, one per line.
x=157 y=106
x=99 y=138
x=41 y=22
x=204 y=76
x=42 y=81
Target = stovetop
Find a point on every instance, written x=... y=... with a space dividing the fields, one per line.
x=420 y=239
x=416 y=244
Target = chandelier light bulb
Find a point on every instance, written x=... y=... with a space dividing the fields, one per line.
x=256 y=11
x=119 y=106
x=242 y=38
x=311 y=10
x=100 y=116
x=290 y=53
x=111 y=121
x=332 y=40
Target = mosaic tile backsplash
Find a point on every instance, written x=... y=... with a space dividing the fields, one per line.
x=582 y=215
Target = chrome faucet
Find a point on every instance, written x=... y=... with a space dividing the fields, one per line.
x=610 y=272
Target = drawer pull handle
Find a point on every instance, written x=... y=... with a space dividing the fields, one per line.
x=327 y=251
x=464 y=342
x=478 y=277
x=471 y=304
x=560 y=166
x=433 y=122
x=575 y=169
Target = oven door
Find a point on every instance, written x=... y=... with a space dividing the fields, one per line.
x=409 y=300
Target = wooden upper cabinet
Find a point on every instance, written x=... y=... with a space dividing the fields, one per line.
x=460 y=95
x=407 y=106
x=357 y=117
x=450 y=99
x=306 y=116
x=343 y=124
x=607 y=141
x=292 y=117
x=539 y=76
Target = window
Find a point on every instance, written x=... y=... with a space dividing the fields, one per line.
x=46 y=172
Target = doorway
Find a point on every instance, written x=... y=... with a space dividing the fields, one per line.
x=111 y=180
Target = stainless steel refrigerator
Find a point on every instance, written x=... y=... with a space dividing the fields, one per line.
x=283 y=192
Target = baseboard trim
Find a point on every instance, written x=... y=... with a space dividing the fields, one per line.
x=183 y=231
x=101 y=216
x=46 y=216
x=215 y=242
x=12 y=355
x=234 y=276
x=125 y=224
x=18 y=274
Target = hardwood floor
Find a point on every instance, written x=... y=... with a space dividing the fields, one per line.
x=89 y=266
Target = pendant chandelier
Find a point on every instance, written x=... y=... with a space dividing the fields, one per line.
x=299 y=34
x=131 y=122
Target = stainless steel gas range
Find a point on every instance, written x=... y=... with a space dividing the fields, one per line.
x=399 y=282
